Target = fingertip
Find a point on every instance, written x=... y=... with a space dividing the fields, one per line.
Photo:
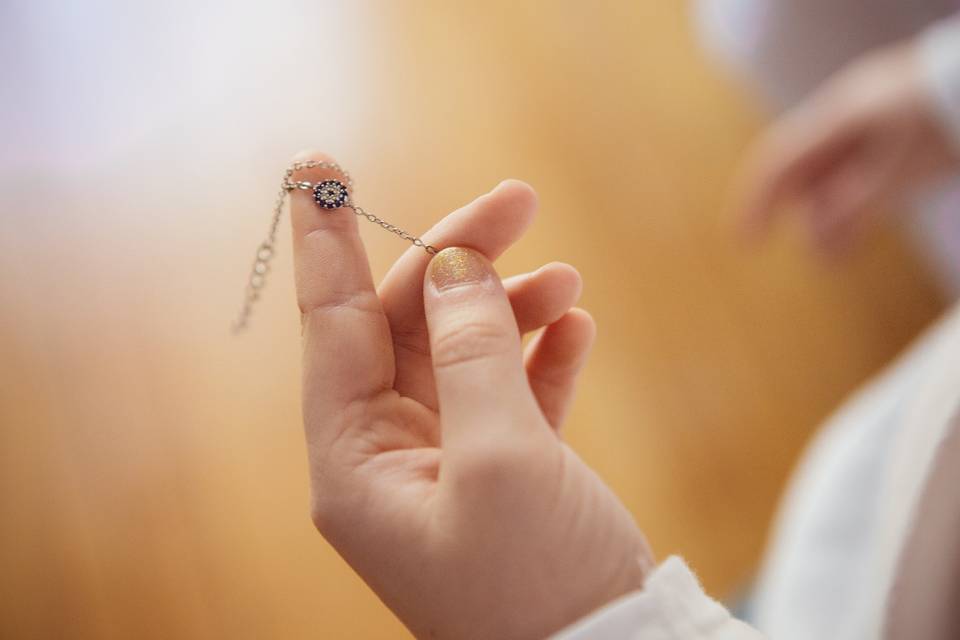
x=518 y=196
x=520 y=190
x=568 y=270
x=495 y=220
x=765 y=180
x=571 y=336
x=541 y=297
x=753 y=204
x=313 y=165
x=580 y=324
x=305 y=155
x=564 y=277
x=304 y=212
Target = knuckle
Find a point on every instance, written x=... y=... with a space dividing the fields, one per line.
x=364 y=302
x=497 y=464
x=491 y=467
x=470 y=342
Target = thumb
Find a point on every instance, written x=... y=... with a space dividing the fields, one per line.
x=482 y=387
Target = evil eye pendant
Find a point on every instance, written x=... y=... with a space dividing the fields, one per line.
x=330 y=194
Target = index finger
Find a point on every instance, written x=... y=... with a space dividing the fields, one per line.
x=347 y=352
x=790 y=155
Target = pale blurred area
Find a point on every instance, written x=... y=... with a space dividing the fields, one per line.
x=152 y=469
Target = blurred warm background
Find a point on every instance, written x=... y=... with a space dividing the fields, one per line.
x=152 y=472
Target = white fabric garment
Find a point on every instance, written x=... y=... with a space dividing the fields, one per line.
x=940 y=58
x=784 y=49
x=672 y=606
x=867 y=544
x=845 y=522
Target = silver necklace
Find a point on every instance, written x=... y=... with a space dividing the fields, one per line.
x=329 y=195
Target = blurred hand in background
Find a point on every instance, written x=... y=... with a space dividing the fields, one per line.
x=868 y=135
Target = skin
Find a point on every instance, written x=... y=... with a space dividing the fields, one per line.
x=436 y=465
x=866 y=137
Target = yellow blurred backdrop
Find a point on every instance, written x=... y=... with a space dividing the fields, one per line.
x=152 y=469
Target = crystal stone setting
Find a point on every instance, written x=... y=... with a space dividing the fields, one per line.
x=330 y=194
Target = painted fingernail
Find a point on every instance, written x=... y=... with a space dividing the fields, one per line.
x=456 y=267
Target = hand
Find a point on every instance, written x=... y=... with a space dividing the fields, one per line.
x=437 y=470
x=868 y=135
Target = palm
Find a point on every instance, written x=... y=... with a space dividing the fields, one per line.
x=404 y=511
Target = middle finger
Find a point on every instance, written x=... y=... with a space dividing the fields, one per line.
x=489 y=224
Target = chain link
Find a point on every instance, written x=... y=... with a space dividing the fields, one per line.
x=267 y=248
x=392 y=228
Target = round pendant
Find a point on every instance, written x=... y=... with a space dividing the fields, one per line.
x=330 y=194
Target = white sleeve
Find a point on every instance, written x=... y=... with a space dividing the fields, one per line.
x=940 y=63
x=671 y=606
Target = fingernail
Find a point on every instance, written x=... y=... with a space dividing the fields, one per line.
x=456 y=267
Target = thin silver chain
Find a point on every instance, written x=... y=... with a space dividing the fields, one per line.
x=267 y=248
